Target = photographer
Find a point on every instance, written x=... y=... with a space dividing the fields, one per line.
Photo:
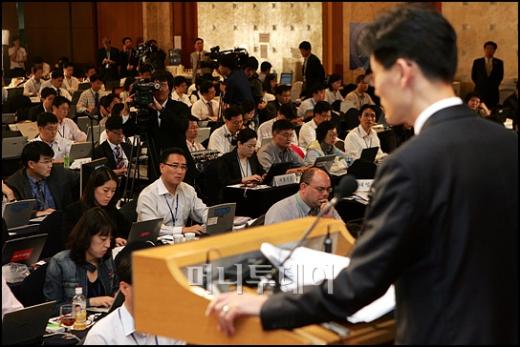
x=237 y=85
x=256 y=85
x=167 y=124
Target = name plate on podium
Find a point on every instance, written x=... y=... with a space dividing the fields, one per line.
x=283 y=180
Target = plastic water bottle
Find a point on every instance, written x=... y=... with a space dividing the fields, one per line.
x=66 y=161
x=79 y=303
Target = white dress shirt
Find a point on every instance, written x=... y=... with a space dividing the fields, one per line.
x=118 y=328
x=265 y=131
x=200 y=108
x=155 y=201
x=306 y=105
x=63 y=91
x=221 y=140
x=19 y=59
x=70 y=130
x=195 y=146
x=357 y=100
x=357 y=140
x=32 y=87
x=71 y=85
x=9 y=301
x=430 y=110
x=60 y=146
x=307 y=133
x=184 y=98
x=331 y=96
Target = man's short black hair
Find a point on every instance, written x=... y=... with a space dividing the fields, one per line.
x=45 y=118
x=491 y=43
x=232 y=111
x=106 y=100
x=169 y=151
x=306 y=45
x=192 y=118
x=281 y=88
x=252 y=63
x=265 y=66
x=322 y=107
x=316 y=87
x=48 y=91
x=227 y=60
x=56 y=73
x=334 y=78
x=406 y=32
x=60 y=100
x=114 y=123
x=365 y=106
x=145 y=68
x=95 y=77
x=126 y=38
x=163 y=76
x=178 y=80
x=198 y=39
x=123 y=260
x=282 y=124
x=205 y=86
x=288 y=111
x=247 y=106
x=34 y=150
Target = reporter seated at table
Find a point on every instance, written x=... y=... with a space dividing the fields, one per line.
x=52 y=186
x=114 y=148
x=191 y=135
x=326 y=137
x=172 y=199
x=315 y=188
x=87 y=263
x=221 y=139
x=67 y=128
x=279 y=151
x=363 y=136
x=100 y=191
x=118 y=327
x=47 y=98
x=241 y=165
x=48 y=133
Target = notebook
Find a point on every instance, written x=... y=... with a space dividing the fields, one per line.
x=369 y=154
x=80 y=150
x=145 y=230
x=220 y=218
x=325 y=162
x=18 y=213
x=24 y=250
x=26 y=325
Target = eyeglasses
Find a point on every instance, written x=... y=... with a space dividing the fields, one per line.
x=45 y=162
x=369 y=115
x=322 y=189
x=177 y=166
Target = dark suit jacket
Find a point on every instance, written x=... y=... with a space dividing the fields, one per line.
x=314 y=73
x=34 y=112
x=112 y=72
x=229 y=168
x=172 y=133
x=104 y=150
x=487 y=86
x=63 y=184
x=128 y=58
x=442 y=226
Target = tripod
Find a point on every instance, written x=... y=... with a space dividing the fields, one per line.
x=152 y=161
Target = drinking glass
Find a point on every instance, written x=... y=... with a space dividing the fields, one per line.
x=67 y=319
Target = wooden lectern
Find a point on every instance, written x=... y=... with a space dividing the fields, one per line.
x=167 y=304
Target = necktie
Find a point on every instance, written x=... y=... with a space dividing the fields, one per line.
x=41 y=196
x=58 y=91
x=119 y=157
x=314 y=211
x=96 y=99
x=210 y=110
x=489 y=66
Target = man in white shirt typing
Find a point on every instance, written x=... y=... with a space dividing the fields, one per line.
x=172 y=199
x=48 y=129
x=67 y=128
x=222 y=139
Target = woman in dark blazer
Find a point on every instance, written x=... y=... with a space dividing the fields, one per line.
x=241 y=165
x=99 y=191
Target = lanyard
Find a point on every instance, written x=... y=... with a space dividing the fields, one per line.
x=369 y=144
x=174 y=218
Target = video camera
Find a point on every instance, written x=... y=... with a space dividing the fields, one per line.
x=143 y=92
x=240 y=56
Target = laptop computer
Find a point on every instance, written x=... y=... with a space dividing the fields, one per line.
x=12 y=92
x=26 y=325
x=12 y=147
x=97 y=132
x=83 y=86
x=145 y=230
x=18 y=213
x=286 y=78
x=220 y=218
x=24 y=250
x=325 y=162
x=369 y=154
x=28 y=129
x=83 y=123
x=8 y=118
x=86 y=170
x=203 y=134
x=277 y=169
x=80 y=150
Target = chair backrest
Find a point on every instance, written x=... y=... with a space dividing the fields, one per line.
x=12 y=147
x=351 y=118
x=31 y=288
x=296 y=90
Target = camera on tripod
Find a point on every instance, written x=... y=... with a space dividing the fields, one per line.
x=144 y=93
x=239 y=55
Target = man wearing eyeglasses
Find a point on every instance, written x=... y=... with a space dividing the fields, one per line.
x=223 y=139
x=172 y=199
x=315 y=188
x=53 y=187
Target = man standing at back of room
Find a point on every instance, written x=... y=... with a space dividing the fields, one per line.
x=438 y=229
x=312 y=70
x=487 y=74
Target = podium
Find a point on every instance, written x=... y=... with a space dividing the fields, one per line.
x=167 y=304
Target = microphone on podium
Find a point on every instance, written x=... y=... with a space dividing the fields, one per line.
x=345 y=188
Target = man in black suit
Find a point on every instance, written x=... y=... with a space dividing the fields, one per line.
x=114 y=148
x=437 y=227
x=312 y=71
x=168 y=125
x=107 y=60
x=487 y=74
x=47 y=96
x=129 y=59
x=52 y=186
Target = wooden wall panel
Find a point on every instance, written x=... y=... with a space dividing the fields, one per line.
x=185 y=24
x=83 y=32
x=333 y=37
x=117 y=20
